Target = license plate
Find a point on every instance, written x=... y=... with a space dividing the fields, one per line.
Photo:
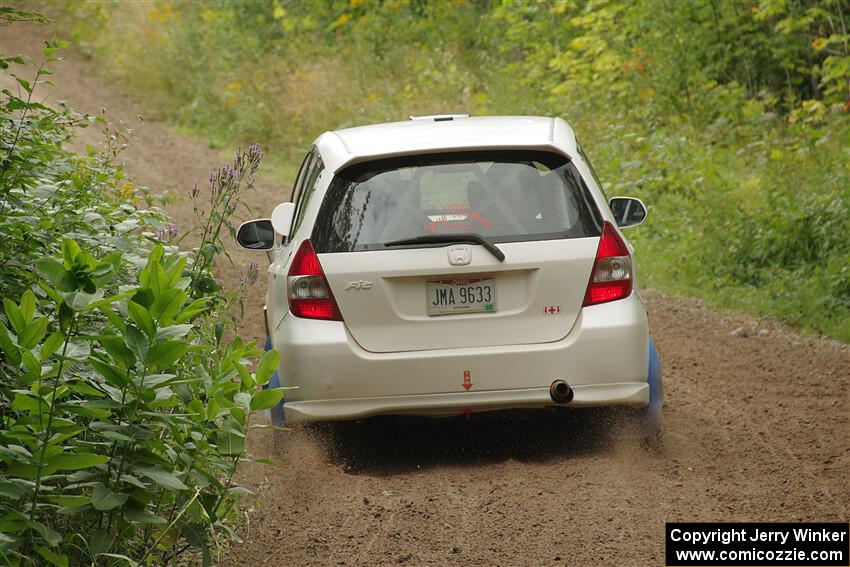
x=462 y=295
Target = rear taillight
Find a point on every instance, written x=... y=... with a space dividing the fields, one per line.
x=611 y=278
x=310 y=295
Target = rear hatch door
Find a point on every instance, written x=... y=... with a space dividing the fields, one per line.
x=402 y=300
x=399 y=294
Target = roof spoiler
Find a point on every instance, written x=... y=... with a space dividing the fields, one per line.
x=439 y=117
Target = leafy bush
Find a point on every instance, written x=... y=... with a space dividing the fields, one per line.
x=123 y=407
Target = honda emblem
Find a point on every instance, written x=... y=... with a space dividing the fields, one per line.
x=460 y=255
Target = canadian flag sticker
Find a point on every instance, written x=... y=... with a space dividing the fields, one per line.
x=551 y=309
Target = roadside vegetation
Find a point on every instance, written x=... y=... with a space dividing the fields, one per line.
x=730 y=119
x=123 y=403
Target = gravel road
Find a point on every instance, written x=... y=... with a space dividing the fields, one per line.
x=757 y=428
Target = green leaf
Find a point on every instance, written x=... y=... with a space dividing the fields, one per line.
x=66 y=317
x=85 y=389
x=114 y=376
x=237 y=413
x=205 y=284
x=24 y=84
x=130 y=479
x=15 y=453
x=80 y=300
x=161 y=477
x=246 y=377
x=51 y=537
x=268 y=364
x=16 y=318
x=28 y=472
x=266 y=399
x=195 y=534
x=69 y=501
x=70 y=251
x=230 y=442
x=173 y=331
x=102 y=273
x=104 y=499
x=243 y=400
x=12 y=351
x=100 y=541
x=154 y=258
x=28 y=305
x=144 y=296
x=154 y=380
x=144 y=517
x=167 y=305
x=13 y=521
x=52 y=558
x=27 y=402
x=115 y=436
x=11 y=490
x=33 y=333
x=31 y=365
x=86 y=411
x=115 y=319
x=51 y=293
x=142 y=318
x=192 y=310
x=115 y=259
x=68 y=431
x=175 y=273
x=50 y=346
x=136 y=341
x=165 y=354
x=76 y=461
x=118 y=350
x=77 y=351
x=208 y=251
x=66 y=282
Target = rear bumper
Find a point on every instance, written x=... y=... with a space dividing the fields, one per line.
x=603 y=358
x=439 y=405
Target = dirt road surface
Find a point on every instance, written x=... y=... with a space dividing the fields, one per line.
x=757 y=422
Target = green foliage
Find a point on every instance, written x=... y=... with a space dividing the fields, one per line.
x=123 y=409
x=730 y=119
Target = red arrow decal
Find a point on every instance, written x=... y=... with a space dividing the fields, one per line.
x=467 y=380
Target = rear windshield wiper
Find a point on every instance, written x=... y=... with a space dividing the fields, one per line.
x=452 y=238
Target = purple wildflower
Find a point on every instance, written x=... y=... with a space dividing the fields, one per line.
x=167 y=233
x=252 y=273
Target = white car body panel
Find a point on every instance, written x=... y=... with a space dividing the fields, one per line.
x=351 y=145
x=334 y=378
x=391 y=315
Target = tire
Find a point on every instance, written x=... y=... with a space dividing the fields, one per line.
x=277 y=415
x=650 y=423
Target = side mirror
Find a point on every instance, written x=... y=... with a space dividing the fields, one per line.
x=282 y=218
x=628 y=211
x=256 y=235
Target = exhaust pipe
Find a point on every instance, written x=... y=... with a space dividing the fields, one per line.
x=561 y=392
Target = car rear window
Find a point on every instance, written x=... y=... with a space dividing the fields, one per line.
x=504 y=196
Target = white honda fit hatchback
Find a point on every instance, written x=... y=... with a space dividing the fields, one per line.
x=448 y=265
